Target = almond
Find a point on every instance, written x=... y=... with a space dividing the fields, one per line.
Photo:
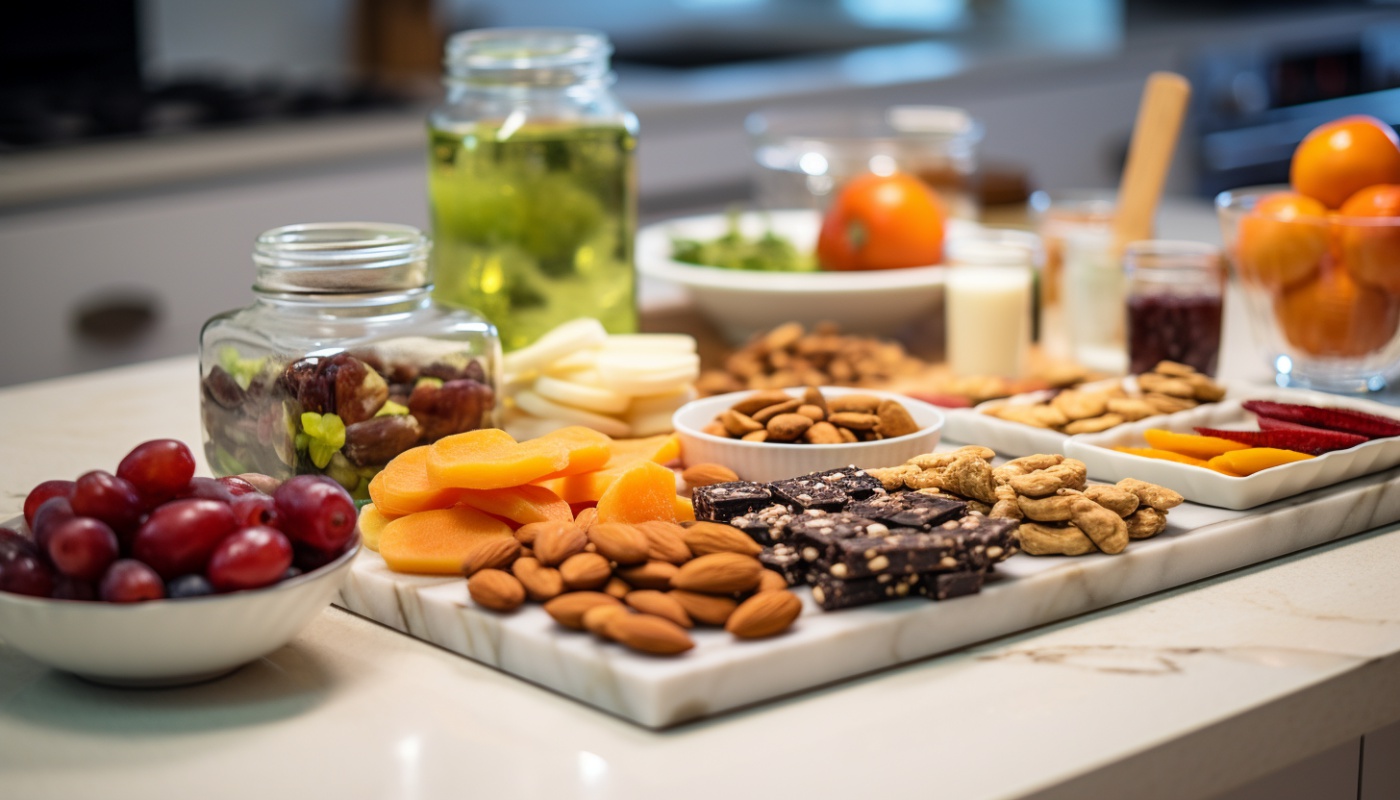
x=666 y=541
x=762 y=417
x=617 y=587
x=586 y=518
x=719 y=573
x=496 y=590
x=585 y=571
x=738 y=424
x=650 y=601
x=859 y=403
x=648 y=634
x=760 y=400
x=764 y=614
x=716 y=428
x=822 y=433
x=772 y=581
x=619 y=542
x=756 y=436
x=556 y=541
x=568 y=609
x=708 y=474
x=541 y=583
x=595 y=619
x=854 y=420
x=491 y=554
x=895 y=420
x=814 y=397
x=651 y=575
x=814 y=413
x=706 y=609
x=787 y=427
x=704 y=538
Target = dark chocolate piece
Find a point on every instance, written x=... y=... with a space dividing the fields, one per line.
x=814 y=533
x=767 y=525
x=786 y=561
x=852 y=480
x=903 y=551
x=910 y=509
x=808 y=494
x=983 y=540
x=722 y=502
x=948 y=585
x=833 y=593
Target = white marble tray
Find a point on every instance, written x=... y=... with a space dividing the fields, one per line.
x=721 y=673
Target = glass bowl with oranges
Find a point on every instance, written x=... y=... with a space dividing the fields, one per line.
x=1319 y=259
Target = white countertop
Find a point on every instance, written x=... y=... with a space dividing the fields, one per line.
x=1179 y=695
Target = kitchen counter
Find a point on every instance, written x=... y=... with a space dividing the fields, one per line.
x=1184 y=694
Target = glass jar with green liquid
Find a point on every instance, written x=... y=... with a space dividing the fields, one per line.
x=532 y=175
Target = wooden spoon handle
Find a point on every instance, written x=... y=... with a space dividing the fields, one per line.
x=1149 y=156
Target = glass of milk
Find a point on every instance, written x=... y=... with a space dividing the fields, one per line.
x=988 y=295
x=1095 y=292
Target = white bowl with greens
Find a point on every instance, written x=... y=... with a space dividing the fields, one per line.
x=768 y=275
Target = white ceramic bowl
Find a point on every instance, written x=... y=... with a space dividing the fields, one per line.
x=764 y=461
x=742 y=302
x=168 y=642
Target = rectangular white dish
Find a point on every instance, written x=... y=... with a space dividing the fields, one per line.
x=1201 y=485
x=722 y=674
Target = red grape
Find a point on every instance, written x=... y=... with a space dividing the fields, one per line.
x=208 y=489
x=179 y=537
x=66 y=588
x=14 y=544
x=189 y=586
x=250 y=558
x=236 y=485
x=129 y=581
x=255 y=509
x=158 y=468
x=27 y=575
x=109 y=498
x=316 y=511
x=51 y=512
x=42 y=492
x=82 y=548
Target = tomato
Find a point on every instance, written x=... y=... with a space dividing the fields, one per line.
x=1333 y=315
x=1344 y=156
x=1369 y=229
x=1282 y=240
x=882 y=222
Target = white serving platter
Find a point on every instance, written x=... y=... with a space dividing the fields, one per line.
x=722 y=674
x=1201 y=485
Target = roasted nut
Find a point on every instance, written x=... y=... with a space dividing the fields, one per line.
x=716 y=428
x=619 y=542
x=556 y=541
x=760 y=400
x=895 y=420
x=756 y=436
x=617 y=587
x=595 y=619
x=1024 y=466
x=665 y=541
x=541 y=583
x=788 y=407
x=846 y=435
x=855 y=420
x=568 y=609
x=648 y=633
x=787 y=427
x=651 y=575
x=491 y=554
x=705 y=609
x=585 y=571
x=1158 y=497
x=650 y=601
x=822 y=433
x=853 y=403
x=814 y=397
x=1055 y=508
x=496 y=590
x=738 y=424
x=1131 y=409
x=1076 y=405
x=771 y=581
x=704 y=538
x=814 y=413
x=1162 y=384
x=1120 y=501
x=1053 y=540
x=707 y=474
x=1145 y=523
x=586 y=518
x=1094 y=424
x=764 y=614
x=1107 y=530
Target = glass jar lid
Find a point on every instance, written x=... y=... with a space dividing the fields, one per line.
x=538 y=56
x=341 y=258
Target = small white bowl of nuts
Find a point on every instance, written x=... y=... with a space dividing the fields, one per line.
x=776 y=434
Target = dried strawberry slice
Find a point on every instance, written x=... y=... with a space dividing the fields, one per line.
x=1311 y=441
x=1371 y=426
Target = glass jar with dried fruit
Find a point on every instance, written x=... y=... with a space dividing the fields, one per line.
x=343 y=361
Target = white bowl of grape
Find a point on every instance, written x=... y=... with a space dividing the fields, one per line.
x=154 y=577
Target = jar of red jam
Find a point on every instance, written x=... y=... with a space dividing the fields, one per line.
x=1175 y=293
x=343 y=360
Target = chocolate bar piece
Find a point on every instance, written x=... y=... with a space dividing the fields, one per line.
x=903 y=551
x=833 y=593
x=910 y=509
x=983 y=541
x=852 y=480
x=786 y=561
x=767 y=525
x=722 y=502
x=947 y=585
x=809 y=493
x=814 y=533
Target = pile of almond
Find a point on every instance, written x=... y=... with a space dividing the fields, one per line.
x=1170 y=387
x=643 y=586
x=776 y=416
x=789 y=355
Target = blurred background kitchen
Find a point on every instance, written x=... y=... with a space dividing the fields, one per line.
x=145 y=143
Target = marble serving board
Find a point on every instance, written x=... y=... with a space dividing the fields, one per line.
x=722 y=673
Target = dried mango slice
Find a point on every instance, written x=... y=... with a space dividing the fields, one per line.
x=1256 y=459
x=1163 y=455
x=1190 y=444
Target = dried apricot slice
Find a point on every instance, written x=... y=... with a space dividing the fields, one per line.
x=490 y=459
x=519 y=504
x=437 y=542
x=685 y=509
x=589 y=450
x=588 y=487
x=646 y=491
x=1190 y=444
x=1162 y=455
x=403 y=486
x=1255 y=459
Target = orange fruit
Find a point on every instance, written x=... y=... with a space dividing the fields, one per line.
x=1282 y=241
x=1368 y=227
x=1333 y=315
x=1344 y=156
x=882 y=222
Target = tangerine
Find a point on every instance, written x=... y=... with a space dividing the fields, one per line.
x=1333 y=315
x=882 y=222
x=1369 y=230
x=1341 y=157
x=1282 y=241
